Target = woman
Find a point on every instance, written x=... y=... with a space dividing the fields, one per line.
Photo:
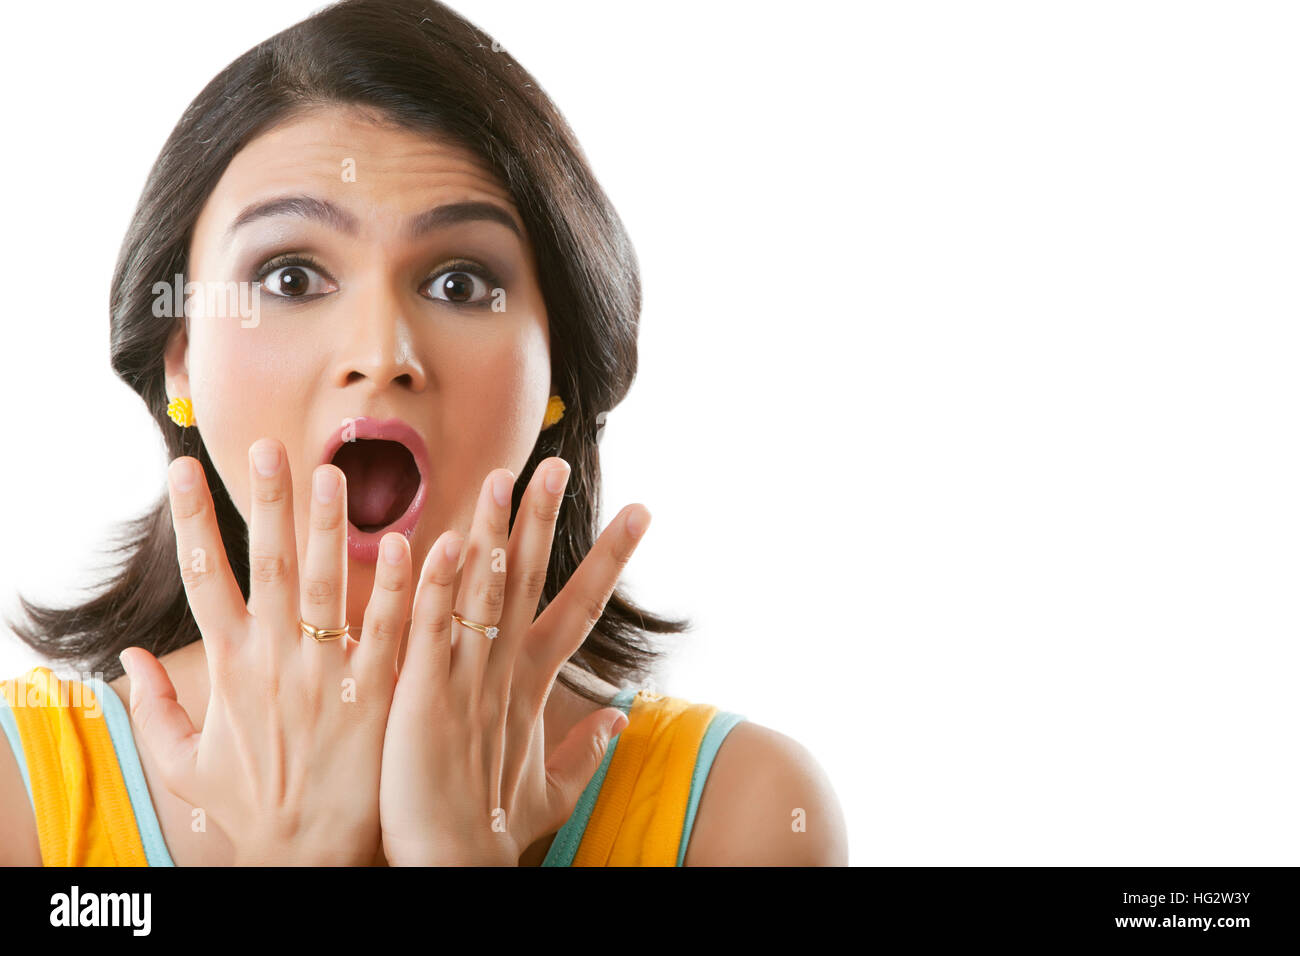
x=397 y=276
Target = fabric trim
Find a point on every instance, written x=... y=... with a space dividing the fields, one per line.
x=83 y=812
x=719 y=727
x=128 y=759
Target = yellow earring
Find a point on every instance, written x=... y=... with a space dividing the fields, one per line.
x=554 y=412
x=181 y=411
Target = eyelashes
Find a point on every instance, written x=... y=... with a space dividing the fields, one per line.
x=464 y=267
x=292 y=260
x=282 y=286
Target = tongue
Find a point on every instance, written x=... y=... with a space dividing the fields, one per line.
x=379 y=477
x=371 y=504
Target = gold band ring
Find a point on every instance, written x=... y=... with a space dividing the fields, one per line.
x=488 y=629
x=323 y=634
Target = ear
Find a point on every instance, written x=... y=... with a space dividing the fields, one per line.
x=176 y=358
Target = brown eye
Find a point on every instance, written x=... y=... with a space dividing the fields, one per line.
x=290 y=277
x=293 y=281
x=460 y=287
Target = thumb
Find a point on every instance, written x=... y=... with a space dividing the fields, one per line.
x=162 y=726
x=575 y=761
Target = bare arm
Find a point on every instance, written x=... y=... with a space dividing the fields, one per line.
x=766 y=802
x=19 y=844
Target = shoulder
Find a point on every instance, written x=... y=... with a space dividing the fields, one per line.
x=766 y=802
x=20 y=843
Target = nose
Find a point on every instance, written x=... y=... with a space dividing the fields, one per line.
x=380 y=346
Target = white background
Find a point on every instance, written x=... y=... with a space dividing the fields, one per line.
x=968 y=393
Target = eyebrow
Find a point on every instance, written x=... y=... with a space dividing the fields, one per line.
x=339 y=219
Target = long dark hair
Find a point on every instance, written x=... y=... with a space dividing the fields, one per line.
x=428 y=69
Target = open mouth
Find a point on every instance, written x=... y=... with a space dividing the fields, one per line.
x=382 y=481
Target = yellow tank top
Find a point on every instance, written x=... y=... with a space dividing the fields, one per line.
x=73 y=743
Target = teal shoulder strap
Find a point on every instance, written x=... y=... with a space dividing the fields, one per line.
x=719 y=727
x=569 y=838
x=119 y=729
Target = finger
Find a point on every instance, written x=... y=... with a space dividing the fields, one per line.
x=162 y=727
x=574 y=762
x=214 y=596
x=387 y=611
x=569 y=618
x=483 y=583
x=323 y=590
x=527 y=556
x=272 y=548
x=428 y=648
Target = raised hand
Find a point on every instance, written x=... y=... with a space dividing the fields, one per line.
x=465 y=780
x=287 y=765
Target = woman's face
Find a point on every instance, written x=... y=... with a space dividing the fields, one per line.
x=442 y=327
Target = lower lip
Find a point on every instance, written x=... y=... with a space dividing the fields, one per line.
x=364 y=545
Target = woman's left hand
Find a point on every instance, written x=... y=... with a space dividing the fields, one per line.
x=464 y=779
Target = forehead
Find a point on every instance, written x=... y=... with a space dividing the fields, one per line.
x=354 y=157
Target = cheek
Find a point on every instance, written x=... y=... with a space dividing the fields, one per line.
x=240 y=396
x=494 y=401
x=501 y=397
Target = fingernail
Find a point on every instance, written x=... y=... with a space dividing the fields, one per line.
x=501 y=486
x=183 y=474
x=266 y=458
x=327 y=486
x=637 y=521
x=392 y=550
x=555 y=478
x=451 y=549
x=618 y=726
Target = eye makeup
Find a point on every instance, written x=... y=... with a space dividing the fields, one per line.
x=458 y=264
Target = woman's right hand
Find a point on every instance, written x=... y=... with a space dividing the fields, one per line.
x=287 y=764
